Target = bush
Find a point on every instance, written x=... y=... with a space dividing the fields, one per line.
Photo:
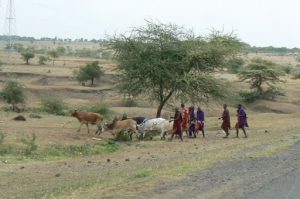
x=53 y=105
x=2 y=136
x=272 y=93
x=42 y=60
x=296 y=75
x=235 y=64
x=129 y=103
x=249 y=96
x=30 y=144
x=122 y=136
x=102 y=109
x=13 y=93
x=288 y=69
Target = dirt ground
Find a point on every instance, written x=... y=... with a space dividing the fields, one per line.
x=254 y=178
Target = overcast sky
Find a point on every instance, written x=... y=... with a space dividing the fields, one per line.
x=257 y=22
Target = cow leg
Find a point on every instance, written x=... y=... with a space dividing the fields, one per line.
x=87 y=125
x=79 y=127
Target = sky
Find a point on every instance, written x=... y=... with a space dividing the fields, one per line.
x=257 y=22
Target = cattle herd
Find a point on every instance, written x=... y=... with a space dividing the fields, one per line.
x=136 y=125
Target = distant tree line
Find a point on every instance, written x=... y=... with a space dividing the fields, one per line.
x=55 y=39
x=246 y=48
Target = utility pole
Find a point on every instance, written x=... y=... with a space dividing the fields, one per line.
x=10 y=28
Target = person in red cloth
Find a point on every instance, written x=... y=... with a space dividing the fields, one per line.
x=226 y=120
x=185 y=118
x=177 y=124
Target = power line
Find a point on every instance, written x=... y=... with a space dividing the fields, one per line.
x=10 y=23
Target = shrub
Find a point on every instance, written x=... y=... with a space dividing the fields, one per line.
x=122 y=136
x=296 y=75
x=288 y=69
x=42 y=60
x=13 y=93
x=2 y=136
x=102 y=109
x=53 y=105
x=272 y=93
x=249 y=96
x=129 y=103
x=235 y=64
x=30 y=144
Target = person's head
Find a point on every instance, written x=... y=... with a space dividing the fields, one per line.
x=239 y=106
x=176 y=109
x=224 y=106
x=182 y=105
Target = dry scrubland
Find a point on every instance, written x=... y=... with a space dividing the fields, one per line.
x=70 y=164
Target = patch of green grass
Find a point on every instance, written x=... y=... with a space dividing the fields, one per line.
x=2 y=137
x=53 y=151
x=143 y=173
x=57 y=151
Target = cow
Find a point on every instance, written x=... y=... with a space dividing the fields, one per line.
x=89 y=118
x=123 y=125
x=138 y=120
x=157 y=124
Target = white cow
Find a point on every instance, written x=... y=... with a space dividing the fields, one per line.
x=157 y=124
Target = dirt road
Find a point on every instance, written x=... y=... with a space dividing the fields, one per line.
x=254 y=178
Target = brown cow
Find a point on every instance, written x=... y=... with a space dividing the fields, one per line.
x=123 y=125
x=89 y=118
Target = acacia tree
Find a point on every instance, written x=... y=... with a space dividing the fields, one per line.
x=54 y=54
x=261 y=73
x=164 y=60
x=13 y=93
x=91 y=72
x=27 y=55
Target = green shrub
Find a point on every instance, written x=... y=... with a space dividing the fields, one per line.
x=122 y=136
x=249 y=96
x=53 y=105
x=235 y=64
x=56 y=150
x=13 y=93
x=2 y=137
x=42 y=59
x=129 y=103
x=29 y=143
x=296 y=75
x=272 y=93
x=102 y=109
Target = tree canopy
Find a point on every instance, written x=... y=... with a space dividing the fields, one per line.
x=13 y=93
x=54 y=54
x=27 y=54
x=260 y=73
x=164 y=60
x=91 y=72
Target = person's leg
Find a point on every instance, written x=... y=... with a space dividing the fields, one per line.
x=180 y=135
x=243 y=128
x=237 y=130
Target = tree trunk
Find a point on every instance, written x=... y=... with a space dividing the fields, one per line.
x=92 y=81
x=159 y=109
x=162 y=103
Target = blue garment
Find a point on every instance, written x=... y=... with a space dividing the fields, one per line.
x=200 y=116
